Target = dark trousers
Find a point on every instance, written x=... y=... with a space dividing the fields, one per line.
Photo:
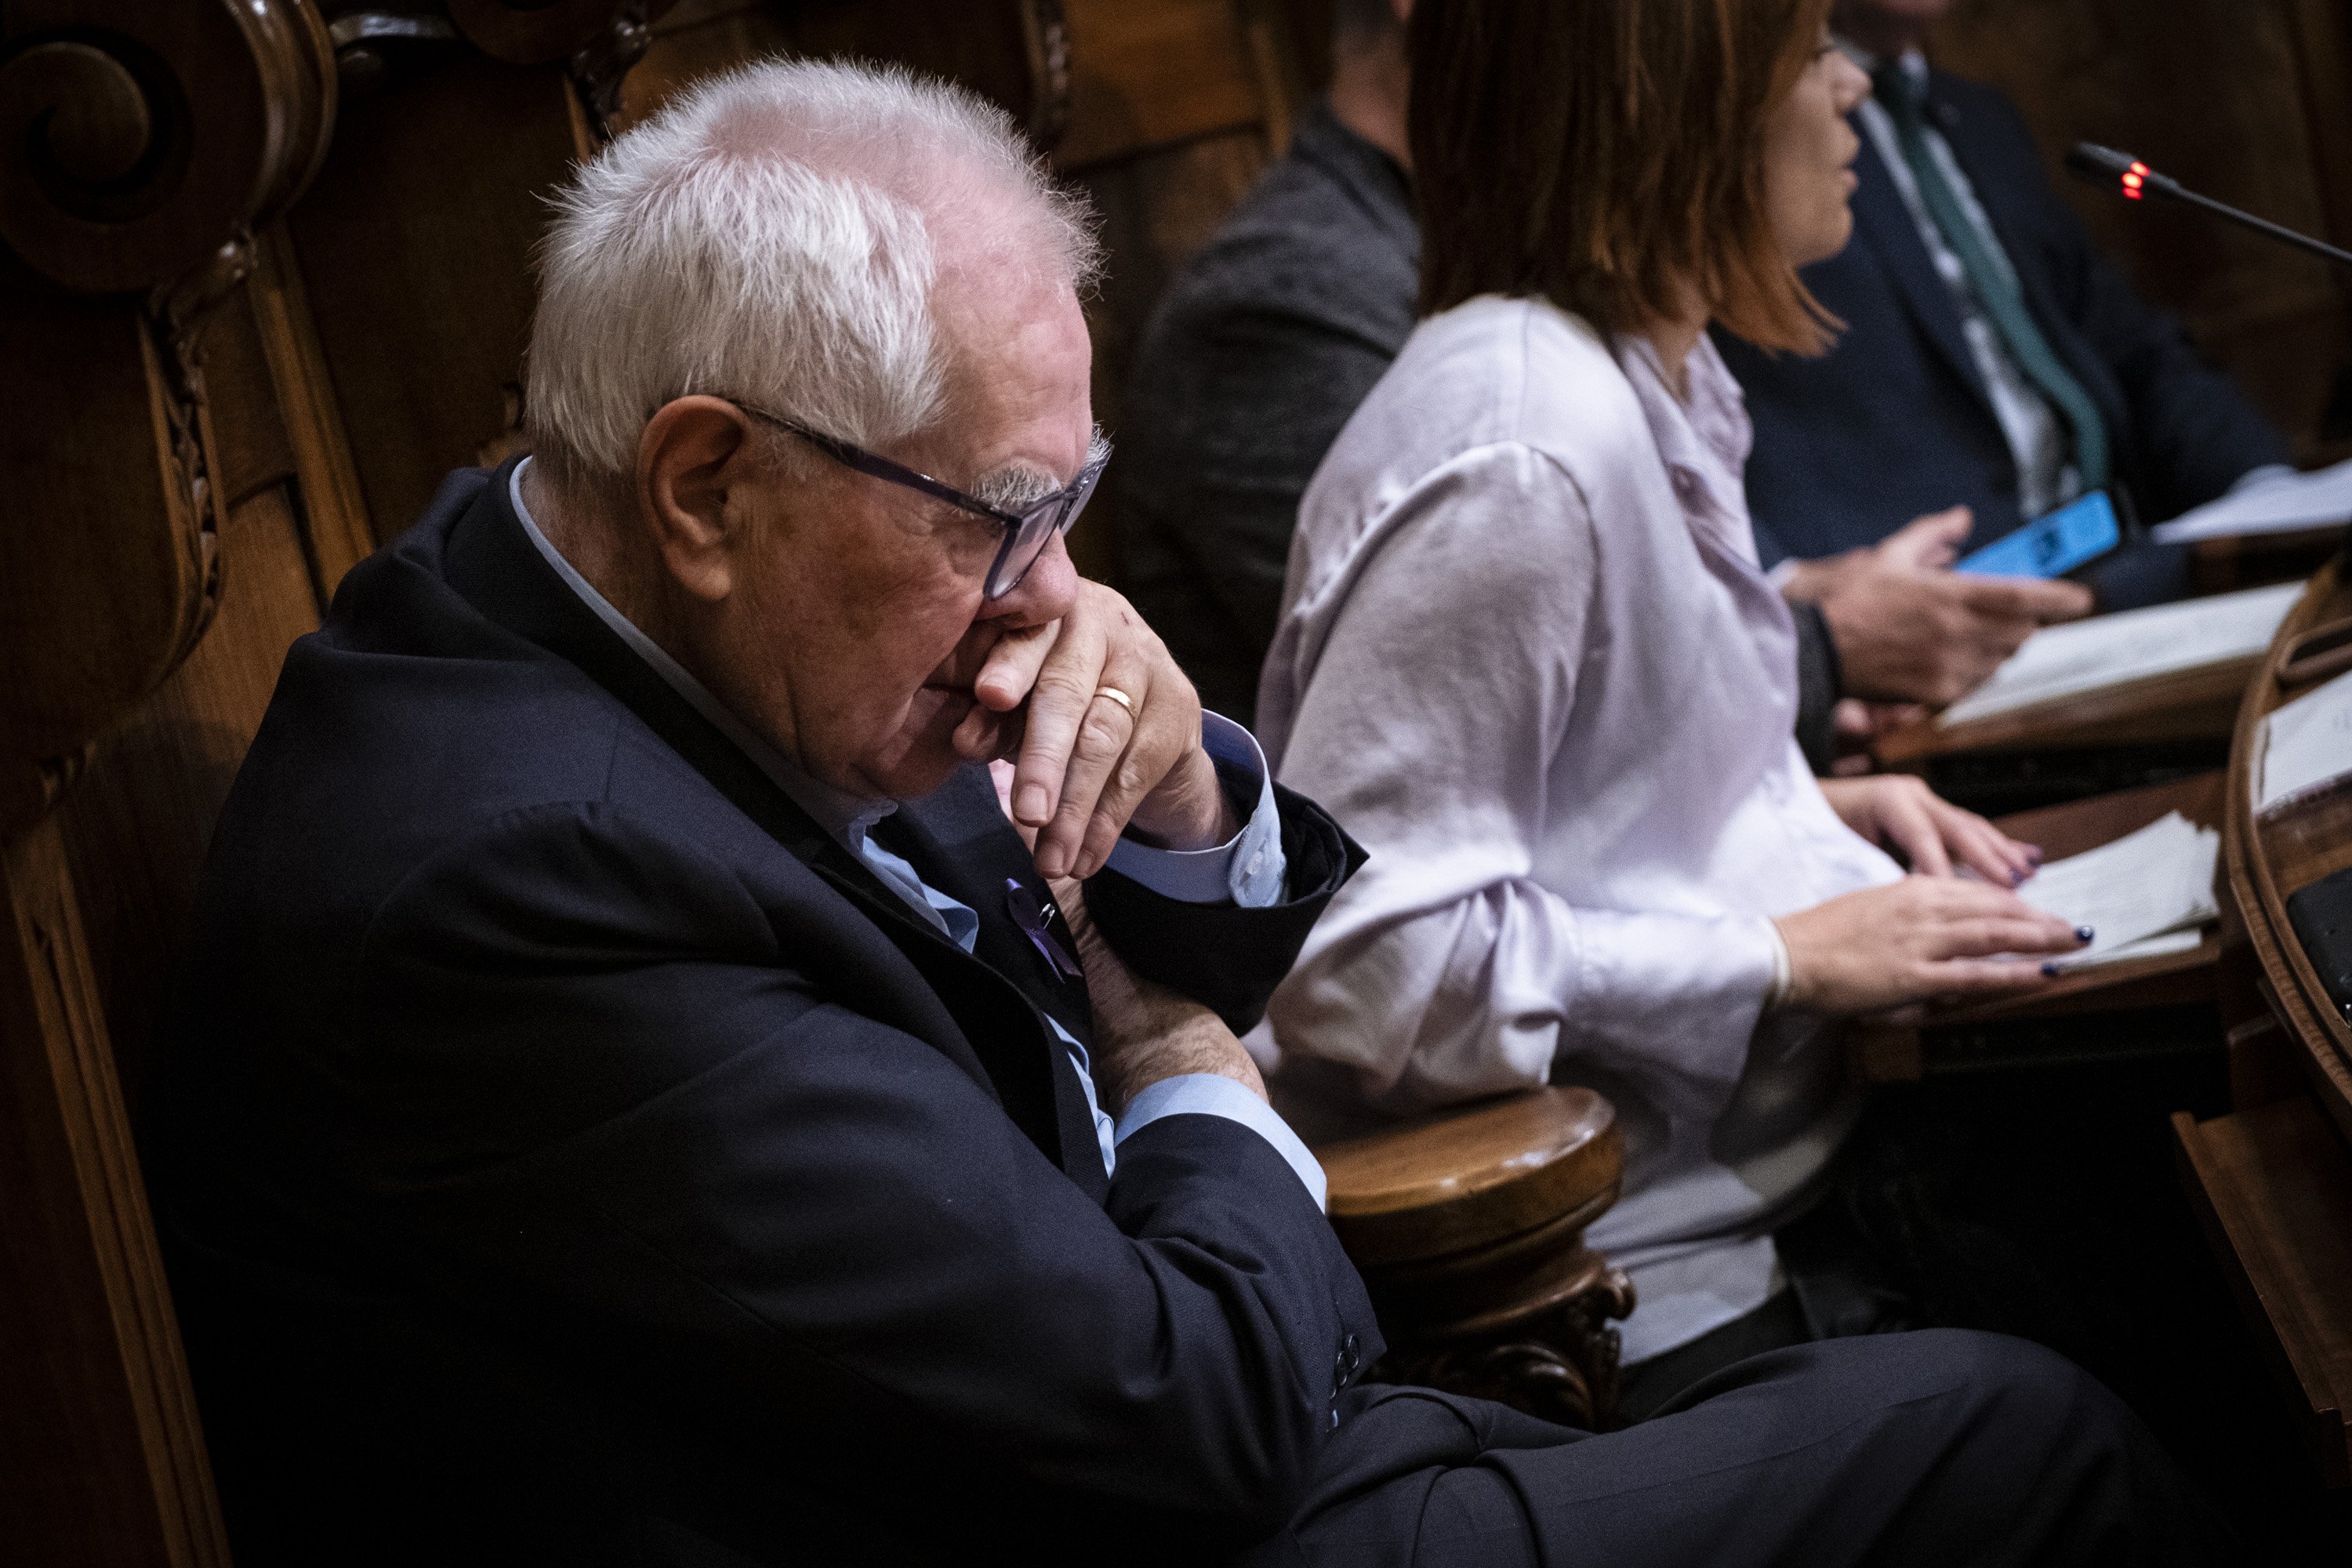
x=1920 y=1449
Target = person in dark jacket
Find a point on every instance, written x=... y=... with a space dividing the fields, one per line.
x=1992 y=358
x=1272 y=334
x=711 y=1026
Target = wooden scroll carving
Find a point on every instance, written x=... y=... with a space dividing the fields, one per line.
x=139 y=148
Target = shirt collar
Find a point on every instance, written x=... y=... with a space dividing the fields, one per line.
x=1703 y=440
x=845 y=816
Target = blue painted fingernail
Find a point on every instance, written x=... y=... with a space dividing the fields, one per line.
x=2084 y=933
x=2017 y=878
x=2051 y=970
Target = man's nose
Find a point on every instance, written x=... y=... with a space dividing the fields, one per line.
x=1045 y=593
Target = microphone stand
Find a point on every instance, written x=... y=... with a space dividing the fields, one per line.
x=2135 y=181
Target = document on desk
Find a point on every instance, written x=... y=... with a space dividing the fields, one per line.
x=2134 y=645
x=2147 y=892
x=2306 y=745
x=2283 y=505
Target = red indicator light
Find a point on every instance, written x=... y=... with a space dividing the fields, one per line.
x=2139 y=168
x=2134 y=193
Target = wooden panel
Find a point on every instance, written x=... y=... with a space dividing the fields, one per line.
x=2241 y=100
x=104 y=1461
x=2321 y=34
x=326 y=494
x=137 y=824
x=1150 y=75
x=414 y=247
x=2273 y=1187
x=142 y=584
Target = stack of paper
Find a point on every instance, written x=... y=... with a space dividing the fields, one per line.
x=2109 y=650
x=2283 y=506
x=2147 y=893
x=2306 y=745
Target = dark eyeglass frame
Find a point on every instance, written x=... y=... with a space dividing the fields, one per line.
x=1026 y=531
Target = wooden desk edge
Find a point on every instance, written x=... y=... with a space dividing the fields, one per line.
x=2181 y=705
x=2285 y=1239
x=2295 y=990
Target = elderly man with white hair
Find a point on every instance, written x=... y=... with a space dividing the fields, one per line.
x=640 y=1099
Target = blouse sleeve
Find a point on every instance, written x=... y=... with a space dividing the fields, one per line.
x=1442 y=691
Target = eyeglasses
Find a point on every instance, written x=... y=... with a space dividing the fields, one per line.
x=1026 y=531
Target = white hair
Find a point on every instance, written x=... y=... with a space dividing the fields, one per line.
x=775 y=235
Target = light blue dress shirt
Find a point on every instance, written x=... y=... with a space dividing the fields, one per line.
x=1248 y=869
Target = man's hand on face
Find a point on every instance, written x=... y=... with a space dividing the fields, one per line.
x=1909 y=629
x=1089 y=767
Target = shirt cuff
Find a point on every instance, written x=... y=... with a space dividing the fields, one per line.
x=1213 y=1094
x=1247 y=868
x=2255 y=478
x=1779 y=575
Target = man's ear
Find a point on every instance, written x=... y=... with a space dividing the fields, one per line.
x=694 y=452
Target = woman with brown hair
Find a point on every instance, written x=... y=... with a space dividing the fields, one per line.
x=1528 y=659
x=1528 y=656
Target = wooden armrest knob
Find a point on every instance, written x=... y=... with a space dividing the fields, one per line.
x=1548 y=1162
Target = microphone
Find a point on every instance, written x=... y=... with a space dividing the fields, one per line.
x=2135 y=181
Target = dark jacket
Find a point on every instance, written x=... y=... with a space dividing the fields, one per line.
x=1268 y=339
x=1894 y=422
x=571 y=1154
x=1265 y=342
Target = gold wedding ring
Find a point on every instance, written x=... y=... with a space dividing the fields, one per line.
x=1116 y=695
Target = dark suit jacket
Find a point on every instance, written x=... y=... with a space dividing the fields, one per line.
x=1895 y=421
x=571 y=1154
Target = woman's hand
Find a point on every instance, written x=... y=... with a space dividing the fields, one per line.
x=1920 y=937
x=1904 y=816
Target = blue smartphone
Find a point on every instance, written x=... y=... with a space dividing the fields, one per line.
x=2052 y=546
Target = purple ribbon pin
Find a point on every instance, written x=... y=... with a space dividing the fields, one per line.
x=1035 y=917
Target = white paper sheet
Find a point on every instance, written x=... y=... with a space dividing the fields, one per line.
x=2314 y=500
x=2306 y=744
x=2152 y=883
x=2108 y=650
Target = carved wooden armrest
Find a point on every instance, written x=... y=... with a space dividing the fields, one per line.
x=1469 y=1228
